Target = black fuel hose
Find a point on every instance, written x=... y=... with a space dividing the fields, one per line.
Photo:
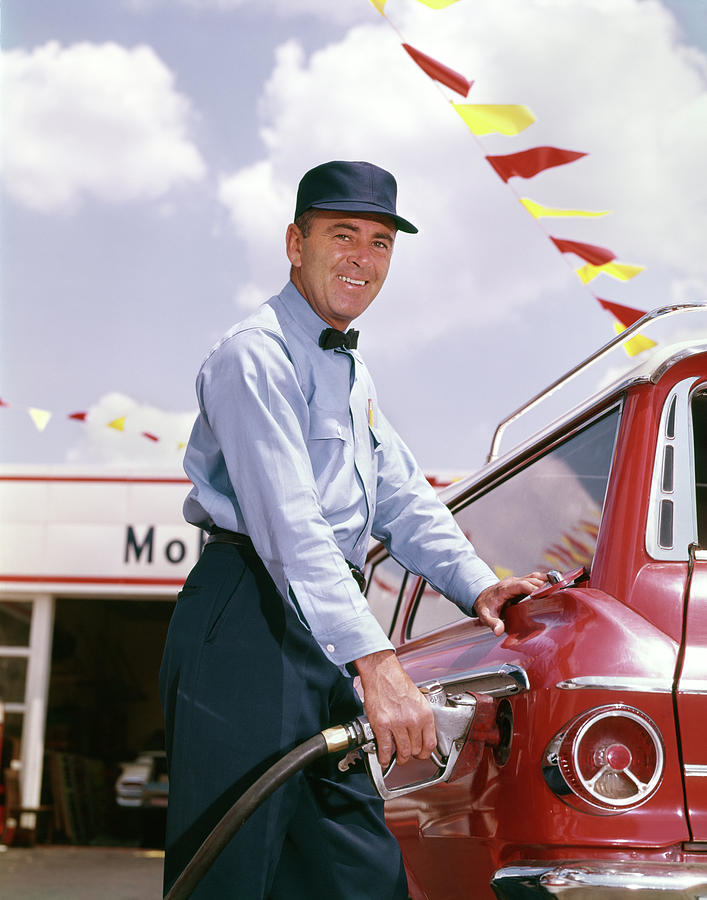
x=331 y=740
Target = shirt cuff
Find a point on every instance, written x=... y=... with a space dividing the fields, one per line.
x=467 y=601
x=355 y=638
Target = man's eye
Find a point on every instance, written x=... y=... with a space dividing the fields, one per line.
x=381 y=245
x=344 y=236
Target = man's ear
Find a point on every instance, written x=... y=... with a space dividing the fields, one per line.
x=293 y=245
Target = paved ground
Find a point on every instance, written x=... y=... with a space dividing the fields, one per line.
x=55 y=872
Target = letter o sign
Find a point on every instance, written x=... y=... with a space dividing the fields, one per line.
x=175 y=551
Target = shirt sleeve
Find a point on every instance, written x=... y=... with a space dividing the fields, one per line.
x=250 y=396
x=419 y=530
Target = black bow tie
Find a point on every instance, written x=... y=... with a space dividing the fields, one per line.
x=330 y=339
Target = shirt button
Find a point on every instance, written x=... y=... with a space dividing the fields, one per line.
x=330 y=648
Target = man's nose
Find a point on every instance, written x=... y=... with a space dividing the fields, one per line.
x=359 y=254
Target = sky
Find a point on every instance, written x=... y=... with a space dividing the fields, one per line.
x=151 y=151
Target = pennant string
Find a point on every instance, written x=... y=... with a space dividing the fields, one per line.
x=510 y=120
x=41 y=417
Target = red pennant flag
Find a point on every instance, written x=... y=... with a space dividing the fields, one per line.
x=440 y=72
x=2 y=402
x=597 y=256
x=150 y=437
x=529 y=162
x=624 y=314
x=79 y=416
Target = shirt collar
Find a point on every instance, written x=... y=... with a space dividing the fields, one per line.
x=302 y=313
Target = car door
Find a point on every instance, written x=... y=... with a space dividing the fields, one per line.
x=691 y=694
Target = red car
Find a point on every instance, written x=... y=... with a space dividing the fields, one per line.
x=585 y=770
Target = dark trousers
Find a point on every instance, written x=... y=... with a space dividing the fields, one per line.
x=242 y=682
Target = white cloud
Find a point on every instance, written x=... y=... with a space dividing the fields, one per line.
x=603 y=76
x=93 y=120
x=255 y=199
x=131 y=446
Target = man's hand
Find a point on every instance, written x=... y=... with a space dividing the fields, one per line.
x=400 y=717
x=490 y=602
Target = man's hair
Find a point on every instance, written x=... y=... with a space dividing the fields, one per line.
x=304 y=221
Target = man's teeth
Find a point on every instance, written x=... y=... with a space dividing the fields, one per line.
x=352 y=280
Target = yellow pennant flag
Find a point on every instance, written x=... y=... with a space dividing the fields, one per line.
x=118 y=424
x=502 y=572
x=539 y=211
x=489 y=118
x=379 y=4
x=634 y=345
x=620 y=271
x=40 y=417
x=437 y=4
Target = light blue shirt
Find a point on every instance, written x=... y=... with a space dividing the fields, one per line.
x=291 y=448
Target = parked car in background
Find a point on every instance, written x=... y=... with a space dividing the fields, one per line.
x=588 y=773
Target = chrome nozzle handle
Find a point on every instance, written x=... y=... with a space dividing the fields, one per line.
x=452 y=723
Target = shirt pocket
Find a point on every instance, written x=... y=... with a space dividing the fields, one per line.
x=328 y=425
x=376 y=438
x=330 y=448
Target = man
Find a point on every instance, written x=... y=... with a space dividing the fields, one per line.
x=293 y=467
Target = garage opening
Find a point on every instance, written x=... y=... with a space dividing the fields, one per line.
x=104 y=720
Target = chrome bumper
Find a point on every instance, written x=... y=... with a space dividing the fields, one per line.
x=600 y=880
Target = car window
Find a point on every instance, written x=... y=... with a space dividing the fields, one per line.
x=699 y=430
x=385 y=585
x=544 y=516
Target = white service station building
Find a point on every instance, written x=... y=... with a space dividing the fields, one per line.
x=90 y=566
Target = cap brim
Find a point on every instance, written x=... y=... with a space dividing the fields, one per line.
x=361 y=206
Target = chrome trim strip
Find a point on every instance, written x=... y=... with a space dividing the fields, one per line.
x=639 y=375
x=686 y=353
x=696 y=771
x=681 y=496
x=617 y=683
x=499 y=681
x=692 y=686
x=602 y=879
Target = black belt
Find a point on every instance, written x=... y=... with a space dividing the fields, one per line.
x=223 y=536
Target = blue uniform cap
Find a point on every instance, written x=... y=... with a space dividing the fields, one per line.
x=351 y=187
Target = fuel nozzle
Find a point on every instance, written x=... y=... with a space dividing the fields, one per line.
x=453 y=715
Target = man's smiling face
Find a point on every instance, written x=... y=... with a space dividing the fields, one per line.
x=342 y=263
